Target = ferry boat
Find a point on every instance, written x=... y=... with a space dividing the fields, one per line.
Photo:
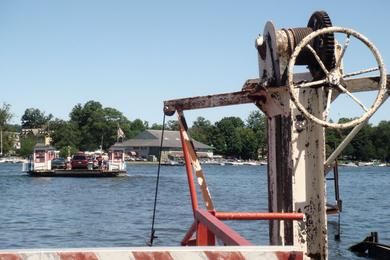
x=40 y=165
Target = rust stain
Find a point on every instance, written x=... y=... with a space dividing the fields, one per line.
x=316 y=256
x=224 y=99
x=10 y=257
x=224 y=255
x=289 y=255
x=78 y=256
x=152 y=256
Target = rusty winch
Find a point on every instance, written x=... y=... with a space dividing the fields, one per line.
x=290 y=38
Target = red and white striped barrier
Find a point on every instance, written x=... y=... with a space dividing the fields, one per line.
x=160 y=253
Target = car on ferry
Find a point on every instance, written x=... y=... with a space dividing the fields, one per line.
x=58 y=163
x=79 y=161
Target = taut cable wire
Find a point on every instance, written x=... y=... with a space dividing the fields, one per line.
x=152 y=230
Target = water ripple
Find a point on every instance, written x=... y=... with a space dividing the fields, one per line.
x=67 y=212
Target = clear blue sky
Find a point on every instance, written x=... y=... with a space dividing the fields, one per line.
x=132 y=55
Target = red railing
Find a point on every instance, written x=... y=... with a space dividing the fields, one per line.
x=258 y=216
x=208 y=225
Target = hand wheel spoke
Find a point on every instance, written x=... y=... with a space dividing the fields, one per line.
x=360 y=72
x=353 y=97
x=327 y=109
x=345 y=46
x=317 y=58
x=310 y=84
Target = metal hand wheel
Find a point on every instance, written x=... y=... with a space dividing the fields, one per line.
x=333 y=78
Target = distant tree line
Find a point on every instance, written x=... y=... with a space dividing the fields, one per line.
x=371 y=143
x=232 y=137
x=92 y=126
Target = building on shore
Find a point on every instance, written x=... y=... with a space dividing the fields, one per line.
x=147 y=144
x=40 y=134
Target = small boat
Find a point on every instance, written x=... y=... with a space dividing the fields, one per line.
x=349 y=164
x=173 y=163
x=365 y=163
x=251 y=163
x=234 y=163
x=370 y=247
x=380 y=165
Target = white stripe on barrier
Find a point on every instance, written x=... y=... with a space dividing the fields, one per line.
x=141 y=253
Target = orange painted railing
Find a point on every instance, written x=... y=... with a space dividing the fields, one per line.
x=207 y=223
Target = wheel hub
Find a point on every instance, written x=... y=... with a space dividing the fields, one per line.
x=334 y=77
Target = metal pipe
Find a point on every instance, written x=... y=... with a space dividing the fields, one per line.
x=343 y=145
x=188 y=235
x=204 y=236
x=259 y=216
x=336 y=182
x=223 y=232
x=191 y=184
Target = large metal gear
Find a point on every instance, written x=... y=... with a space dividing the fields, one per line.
x=324 y=44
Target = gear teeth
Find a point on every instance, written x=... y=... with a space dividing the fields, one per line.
x=326 y=51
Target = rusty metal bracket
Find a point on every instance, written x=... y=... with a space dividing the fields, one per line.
x=252 y=92
x=218 y=100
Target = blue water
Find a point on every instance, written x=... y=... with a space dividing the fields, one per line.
x=116 y=212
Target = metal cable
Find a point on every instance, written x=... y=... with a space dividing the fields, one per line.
x=152 y=230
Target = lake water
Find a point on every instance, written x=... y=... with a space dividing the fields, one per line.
x=117 y=212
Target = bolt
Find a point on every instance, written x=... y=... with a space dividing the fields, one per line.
x=259 y=41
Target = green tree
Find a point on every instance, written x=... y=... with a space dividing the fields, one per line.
x=5 y=114
x=89 y=119
x=27 y=146
x=113 y=119
x=35 y=118
x=244 y=143
x=64 y=134
x=156 y=126
x=172 y=125
x=218 y=141
x=223 y=140
x=257 y=122
x=381 y=141
x=137 y=126
x=5 y=117
x=201 y=130
x=68 y=151
x=363 y=148
x=98 y=125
